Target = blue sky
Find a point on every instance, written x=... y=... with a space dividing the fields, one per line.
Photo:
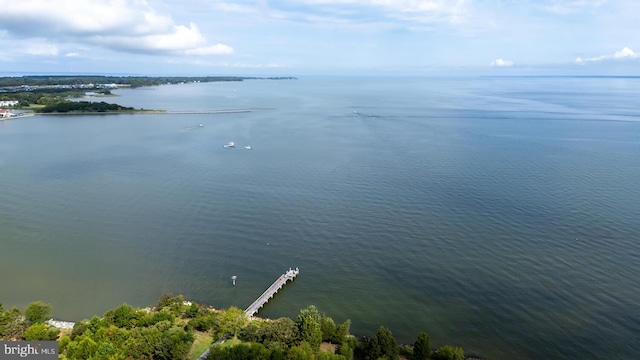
x=298 y=37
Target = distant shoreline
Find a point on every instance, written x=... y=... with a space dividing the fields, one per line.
x=162 y=112
x=17 y=116
x=52 y=93
x=103 y=112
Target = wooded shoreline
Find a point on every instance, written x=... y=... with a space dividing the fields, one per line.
x=51 y=94
x=177 y=329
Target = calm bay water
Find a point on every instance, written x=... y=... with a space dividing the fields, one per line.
x=497 y=214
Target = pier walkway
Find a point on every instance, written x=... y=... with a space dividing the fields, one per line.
x=259 y=303
x=271 y=291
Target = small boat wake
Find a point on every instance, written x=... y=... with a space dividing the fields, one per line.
x=232 y=145
x=360 y=114
x=194 y=127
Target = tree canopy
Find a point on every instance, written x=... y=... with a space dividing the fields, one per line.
x=448 y=352
x=422 y=347
x=37 y=312
x=172 y=329
x=82 y=106
x=382 y=346
x=309 y=326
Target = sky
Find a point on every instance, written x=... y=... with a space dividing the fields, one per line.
x=299 y=37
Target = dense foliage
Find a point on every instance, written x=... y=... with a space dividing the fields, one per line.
x=14 y=325
x=52 y=91
x=41 y=97
x=422 y=347
x=133 y=81
x=170 y=331
x=83 y=106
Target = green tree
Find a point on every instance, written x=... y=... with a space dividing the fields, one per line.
x=115 y=335
x=14 y=330
x=205 y=322
x=53 y=333
x=244 y=351
x=309 y=326
x=164 y=314
x=448 y=352
x=422 y=347
x=373 y=350
x=105 y=351
x=142 y=342
x=78 y=329
x=37 y=331
x=83 y=348
x=63 y=343
x=96 y=324
x=283 y=332
x=12 y=324
x=328 y=328
x=233 y=320
x=277 y=354
x=5 y=318
x=251 y=333
x=347 y=349
x=342 y=332
x=121 y=316
x=37 y=312
x=192 y=312
x=325 y=355
x=175 y=344
x=382 y=345
x=124 y=316
x=304 y=351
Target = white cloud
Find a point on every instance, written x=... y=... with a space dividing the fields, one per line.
x=625 y=53
x=563 y=7
x=502 y=63
x=227 y=64
x=122 y=25
x=418 y=11
x=396 y=5
x=41 y=49
x=253 y=66
x=218 y=49
x=232 y=7
x=72 y=54
x=408 y=5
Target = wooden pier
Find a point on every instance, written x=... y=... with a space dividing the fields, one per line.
x=259 y=303
x=271 y=291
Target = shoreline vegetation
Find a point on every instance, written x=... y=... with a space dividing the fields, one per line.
x=178 y=329
x=51 y=94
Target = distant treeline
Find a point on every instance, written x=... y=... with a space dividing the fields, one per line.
x=45 y=96
x=83 y=106
x=54 y=90
x=133 y=81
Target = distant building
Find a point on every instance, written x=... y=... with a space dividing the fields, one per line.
x=107 y=86
x=112 y=86
x=5 y=113
x=9 y=103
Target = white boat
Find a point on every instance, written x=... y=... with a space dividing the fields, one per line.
x=201 y=125
x=231 y=144
x=248 y=147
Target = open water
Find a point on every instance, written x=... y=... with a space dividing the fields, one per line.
x=497 y=214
